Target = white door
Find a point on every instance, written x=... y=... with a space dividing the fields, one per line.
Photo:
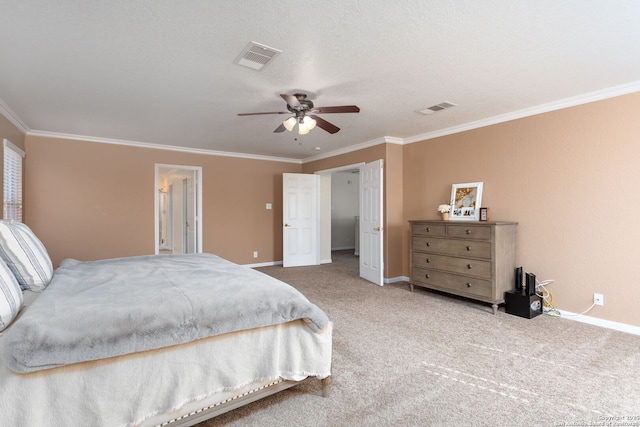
x=371 y=252
x=300 y=219
x=189 y=205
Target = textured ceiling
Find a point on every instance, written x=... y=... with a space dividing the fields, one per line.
x=163 y=72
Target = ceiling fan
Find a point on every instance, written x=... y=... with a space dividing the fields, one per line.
x=304 y=114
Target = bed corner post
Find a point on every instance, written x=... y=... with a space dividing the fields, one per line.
x=325 y=386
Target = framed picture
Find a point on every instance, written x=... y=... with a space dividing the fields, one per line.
x=466 y=199
x=484 y=214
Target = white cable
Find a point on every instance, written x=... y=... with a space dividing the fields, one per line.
x=547 y=306
x=554 y=311
x=578 y=314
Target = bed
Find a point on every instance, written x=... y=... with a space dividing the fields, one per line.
x=95 y=343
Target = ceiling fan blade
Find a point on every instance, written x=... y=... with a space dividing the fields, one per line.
x=279 y=129
x=269 y=112
x=338 y=109
x=292 y=101
x=322 y=123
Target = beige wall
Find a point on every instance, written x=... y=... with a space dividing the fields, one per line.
x=394 y=222
x=569 y=178
x=10 y=132
x=91 y=200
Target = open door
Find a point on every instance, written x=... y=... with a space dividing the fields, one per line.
x=178 y=196
x=300 y=220
x=371 y=232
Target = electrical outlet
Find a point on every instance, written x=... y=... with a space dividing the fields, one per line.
x=598 y=299
x=255 y=254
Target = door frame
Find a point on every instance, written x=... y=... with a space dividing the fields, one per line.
x=324 y=208
x=198 y=201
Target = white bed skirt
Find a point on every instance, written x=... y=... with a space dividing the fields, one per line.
x=153 y=387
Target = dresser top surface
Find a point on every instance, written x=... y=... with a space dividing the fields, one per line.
x=455 y=222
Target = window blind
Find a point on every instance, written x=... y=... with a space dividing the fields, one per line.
x=13 y=158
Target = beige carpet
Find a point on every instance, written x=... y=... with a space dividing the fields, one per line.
x=426 y=359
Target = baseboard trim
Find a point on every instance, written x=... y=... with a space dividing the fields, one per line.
x=263 y=264
x=396 y=279
x=608 y=324
x=616 y=326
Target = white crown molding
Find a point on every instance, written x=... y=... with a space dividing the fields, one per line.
x=159 y=146
x=13 y=117
x=544 y=108
x=352 y=148
x=599 y=95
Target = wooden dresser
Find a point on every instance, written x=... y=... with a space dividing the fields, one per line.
x=472 y=259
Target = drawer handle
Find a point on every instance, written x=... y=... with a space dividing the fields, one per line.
x=468 y=285
x=428 y=243
x=428 y=260
x=427 y=276
x=469 y=266
x=468 y=248
x=428 y=229
x=468 y=231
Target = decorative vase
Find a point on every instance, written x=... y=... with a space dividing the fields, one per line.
x=445 y=216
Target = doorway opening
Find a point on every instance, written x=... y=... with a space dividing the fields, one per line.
x=178 y=209
x=345 y=220
x=338 y=221
x=345 y=211
x=365 y=222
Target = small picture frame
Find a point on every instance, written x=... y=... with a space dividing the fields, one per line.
x=484 y=214
x=466 y=199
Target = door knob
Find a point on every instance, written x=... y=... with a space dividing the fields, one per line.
x=286 y=225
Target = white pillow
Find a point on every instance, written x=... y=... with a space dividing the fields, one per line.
x=25 y=255
x=10 y=296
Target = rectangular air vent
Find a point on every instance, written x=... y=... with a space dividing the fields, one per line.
x=256 y=56
x=437 y=107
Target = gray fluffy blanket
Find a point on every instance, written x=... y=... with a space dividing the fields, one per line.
x=98 y=309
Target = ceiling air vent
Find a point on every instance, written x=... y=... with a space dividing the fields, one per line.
x=256 y=56
x=438 y=107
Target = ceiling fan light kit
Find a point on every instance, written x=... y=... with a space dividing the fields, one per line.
x=305 y=114
x=290 y=123
x=305 y=125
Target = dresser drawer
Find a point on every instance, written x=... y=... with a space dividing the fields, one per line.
x=464 y=248
x=423 y=229
x=452 y=283
x=469 y=232
x=465 y=266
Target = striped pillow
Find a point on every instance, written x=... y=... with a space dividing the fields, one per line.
x=10 y=296
x=25 y=255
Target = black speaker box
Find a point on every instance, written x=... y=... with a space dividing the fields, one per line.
x=519 y=304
